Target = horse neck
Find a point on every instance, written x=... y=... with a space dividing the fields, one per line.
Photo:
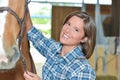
x=16 y=6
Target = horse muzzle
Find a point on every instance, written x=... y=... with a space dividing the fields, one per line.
x=9 y=61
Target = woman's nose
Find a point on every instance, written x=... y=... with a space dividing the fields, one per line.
x=68 y=29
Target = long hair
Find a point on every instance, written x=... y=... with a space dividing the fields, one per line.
x=89 y=29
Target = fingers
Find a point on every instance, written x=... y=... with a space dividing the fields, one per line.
x=31 y=76
x=27 y=76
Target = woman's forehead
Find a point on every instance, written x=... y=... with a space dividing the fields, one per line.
x=76 y=19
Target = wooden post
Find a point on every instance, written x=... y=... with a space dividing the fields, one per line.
x=115 y=16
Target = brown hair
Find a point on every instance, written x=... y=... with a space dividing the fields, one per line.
x=89 y=29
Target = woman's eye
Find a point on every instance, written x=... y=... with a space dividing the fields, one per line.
x=77 y=30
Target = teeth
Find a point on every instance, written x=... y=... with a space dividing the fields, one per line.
x=66 y=36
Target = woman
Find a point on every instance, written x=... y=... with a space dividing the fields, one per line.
x=67 y=59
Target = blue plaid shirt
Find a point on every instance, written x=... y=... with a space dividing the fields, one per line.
x=72 y=66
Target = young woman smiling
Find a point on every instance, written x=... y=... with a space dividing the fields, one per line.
x=67 y=59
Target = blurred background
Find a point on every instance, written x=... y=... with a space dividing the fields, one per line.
x=48 y=16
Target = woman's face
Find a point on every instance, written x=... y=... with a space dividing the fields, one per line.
x=72 y=32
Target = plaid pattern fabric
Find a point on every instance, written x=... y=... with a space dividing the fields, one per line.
x=72 y=66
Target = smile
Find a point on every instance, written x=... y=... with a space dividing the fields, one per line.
x=65 y=36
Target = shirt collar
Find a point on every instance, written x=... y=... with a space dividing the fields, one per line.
x=76 y=53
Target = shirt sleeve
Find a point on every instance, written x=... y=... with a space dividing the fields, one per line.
x=41 y=43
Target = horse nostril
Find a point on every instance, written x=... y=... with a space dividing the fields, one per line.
x=4 y=59
x=16 y=55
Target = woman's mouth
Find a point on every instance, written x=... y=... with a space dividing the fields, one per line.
x=66 y=36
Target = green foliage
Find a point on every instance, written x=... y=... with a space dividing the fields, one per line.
x=46 y=32
x=42 y=11
x=41 y=21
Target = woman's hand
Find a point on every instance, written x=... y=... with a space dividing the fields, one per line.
x=31 y=76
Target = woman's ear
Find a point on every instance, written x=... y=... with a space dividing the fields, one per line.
x=84 y=39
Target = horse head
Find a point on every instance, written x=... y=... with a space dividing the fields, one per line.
x=12 y=17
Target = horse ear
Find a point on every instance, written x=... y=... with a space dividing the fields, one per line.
x=84 y=39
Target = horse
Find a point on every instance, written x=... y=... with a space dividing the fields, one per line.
x=15 y=57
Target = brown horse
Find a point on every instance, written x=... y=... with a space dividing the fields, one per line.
x=15 y=57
